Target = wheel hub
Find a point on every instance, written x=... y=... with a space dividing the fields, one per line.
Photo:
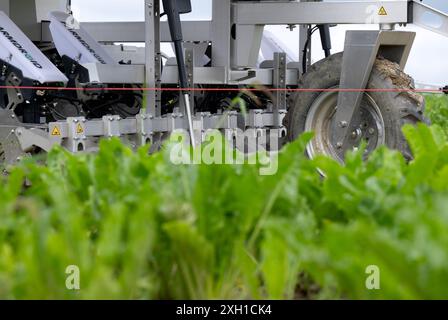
x=367 y=125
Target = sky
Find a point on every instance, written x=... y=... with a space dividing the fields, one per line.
x=428 y=62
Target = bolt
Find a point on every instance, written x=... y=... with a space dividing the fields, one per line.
x=371 y=131
x=357 y=133
x=339 y=145
x=344 y=124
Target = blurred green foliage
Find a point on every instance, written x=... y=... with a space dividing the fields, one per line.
x=140 y=227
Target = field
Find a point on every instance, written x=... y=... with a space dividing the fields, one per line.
x=139 y=227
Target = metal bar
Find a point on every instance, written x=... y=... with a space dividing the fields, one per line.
x=135 y=74
x=218 y=76
x=359 y=56
x=157 y=59
x=134 y=31
x=361 y=12
x=114 y=126
x=125 y=31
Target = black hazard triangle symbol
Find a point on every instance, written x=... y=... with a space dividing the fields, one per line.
x=382 y=12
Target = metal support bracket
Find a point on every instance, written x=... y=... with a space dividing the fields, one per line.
x=189 y=65
x=15 y=96
x=29 y=138
x=76 y=141
x=145 y=129
x=279 y=81
x=361 y=51
x=112 y=126
x=257 y=118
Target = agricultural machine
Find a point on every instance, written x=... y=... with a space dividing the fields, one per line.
x=73 y=84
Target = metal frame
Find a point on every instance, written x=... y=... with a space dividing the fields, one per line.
x=232 y=64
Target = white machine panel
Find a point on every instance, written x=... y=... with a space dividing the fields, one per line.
x=74 y=42
x=19 y=51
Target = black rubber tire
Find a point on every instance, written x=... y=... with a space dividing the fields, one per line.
x=397 y=108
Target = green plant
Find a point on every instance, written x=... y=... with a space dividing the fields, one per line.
x=437 y=110
x=140 y=227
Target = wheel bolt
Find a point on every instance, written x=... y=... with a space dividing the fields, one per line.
x=371 y=131
x=357 y=133
x=339 y=145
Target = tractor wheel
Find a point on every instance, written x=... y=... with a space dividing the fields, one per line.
x=379 y=120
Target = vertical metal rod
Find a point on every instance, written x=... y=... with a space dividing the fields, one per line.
x=190 y=119
x=172 y=10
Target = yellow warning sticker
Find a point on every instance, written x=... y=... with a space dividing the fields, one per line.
x=79 y=129
x=382 y=12
x=56 y=132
